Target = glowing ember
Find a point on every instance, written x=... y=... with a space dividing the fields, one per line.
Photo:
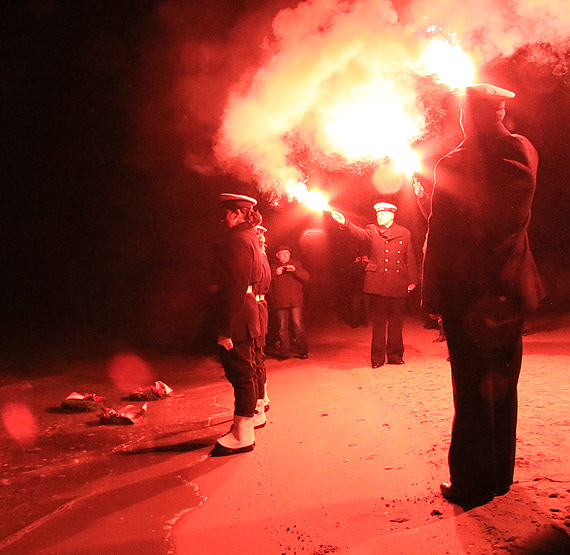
x=448 y=63
x=315 y=200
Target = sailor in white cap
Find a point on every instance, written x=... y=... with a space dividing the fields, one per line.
x=390 y=275
x=240 y=261
x=480 y=276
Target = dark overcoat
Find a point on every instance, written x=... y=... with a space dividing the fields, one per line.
x=477 y=243
x=287 y=288
x=392 y=265
x=261 y=289
x=240 y=266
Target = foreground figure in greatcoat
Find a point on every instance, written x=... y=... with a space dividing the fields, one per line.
x=479 y=274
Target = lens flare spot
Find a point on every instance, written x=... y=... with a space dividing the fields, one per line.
x=387 y=182
x=128 y=372
x=19 y=422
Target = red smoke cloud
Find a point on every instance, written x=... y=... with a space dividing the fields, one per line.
x=339 y=79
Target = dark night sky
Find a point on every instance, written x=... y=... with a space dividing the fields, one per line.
x=107 y=231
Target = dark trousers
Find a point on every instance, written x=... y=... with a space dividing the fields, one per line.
x=260 y=372
x=294 y=313
x=485 y=354
x=387 y=312
x=239 y=368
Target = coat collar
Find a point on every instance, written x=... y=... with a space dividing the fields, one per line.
x=244 y=226
x=393 y=231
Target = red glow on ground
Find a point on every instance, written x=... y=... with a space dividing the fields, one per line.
x=19 y=422
x=129 y=372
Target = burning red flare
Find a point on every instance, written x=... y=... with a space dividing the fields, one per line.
x=314 y=200
x=448 y=63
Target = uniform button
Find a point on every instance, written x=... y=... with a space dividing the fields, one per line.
x=397 y=261
x=387 y=250
x=397 y=271
x=399 y=252
x=400 y=242
x=386 y=242
x=385 y=260
x=385 y=269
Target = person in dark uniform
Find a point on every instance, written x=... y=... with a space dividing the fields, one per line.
x=240 y=262
x=480 y=275
x=287 y=278
x=261 y=290
x=391 y=274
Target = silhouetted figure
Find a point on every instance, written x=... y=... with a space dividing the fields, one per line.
x=479 y=274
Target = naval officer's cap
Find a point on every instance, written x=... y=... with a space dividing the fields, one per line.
x=232 y=200
x=385 y=207
x=484 y=94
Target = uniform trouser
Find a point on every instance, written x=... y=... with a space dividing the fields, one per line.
x=485 y=357
x=260 y=372
x=296 y=313
x=390 y=312
x=239 y=368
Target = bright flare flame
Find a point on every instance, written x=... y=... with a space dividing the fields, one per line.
x=374 y=123
x=315 y=200
x=448 y=63
x=407 y=161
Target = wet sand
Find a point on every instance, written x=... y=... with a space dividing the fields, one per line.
x=350 y=461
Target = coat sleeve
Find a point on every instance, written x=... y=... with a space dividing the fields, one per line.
x=300 y=272
x=362 y=236
x=234 y=281
x=265 y=283
x=518 y=175
x=424 y=204
x=434 y=250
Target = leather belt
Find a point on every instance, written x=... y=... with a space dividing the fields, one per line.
x=260 y=297
x=249 y=289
